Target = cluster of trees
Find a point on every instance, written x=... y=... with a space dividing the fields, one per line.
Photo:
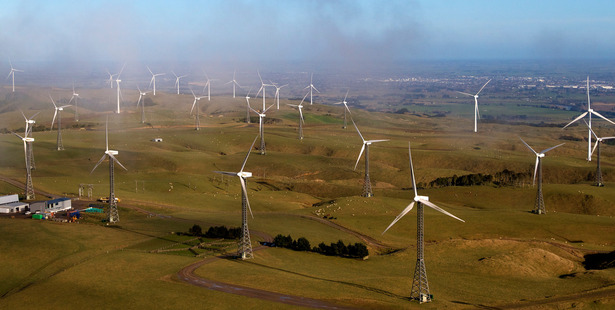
x=357 y=250
x=215 y=232
x=503 y=178
x=464 y=180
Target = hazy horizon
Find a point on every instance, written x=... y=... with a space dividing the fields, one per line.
x=343 y=32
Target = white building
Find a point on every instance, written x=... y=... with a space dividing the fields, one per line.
x=14 y=207
x=11 y=204
x=9 y=199
x=54 y=205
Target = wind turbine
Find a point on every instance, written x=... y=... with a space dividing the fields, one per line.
x=420 y=285
x=12 y=73
x=198 y=110
x=277 y=93
x=589 y=113
x=367 y=185
x=28 y=134
x=597 y=147
x=476 y=112
x=539 y=206
x=311 y=87
x=245 y=245
x=263 y=87
x=208 y=85
x=75 y=97
x=58 y=112
x=141 y=94
x=110 y=154
x=345 y=108
x=153 y=80
x=261 y=126
x=248 y=107
x=27 y=144
x=119 y=92
x=234 y=83
x=301 y=121
x=110 y=80
x=177 y=80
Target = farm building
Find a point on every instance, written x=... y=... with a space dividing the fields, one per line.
x=11 y=204
x=54 y=205
x=8 y=199
x=14 y=207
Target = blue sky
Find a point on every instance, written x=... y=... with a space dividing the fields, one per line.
x=342 y=30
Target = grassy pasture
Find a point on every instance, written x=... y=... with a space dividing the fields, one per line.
x=502 y=254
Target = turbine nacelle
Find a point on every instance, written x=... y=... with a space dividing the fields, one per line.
x=28 y=139
x=421 y=198
x=541 y=155
x=244 y=174
x=111 y=152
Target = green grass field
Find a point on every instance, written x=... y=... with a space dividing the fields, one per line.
x=503 y=255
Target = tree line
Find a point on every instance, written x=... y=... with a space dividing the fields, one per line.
x=215 y=232
x=503 y=178
x=357 y=250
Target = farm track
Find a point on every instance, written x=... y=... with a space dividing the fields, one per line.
x=21 y=184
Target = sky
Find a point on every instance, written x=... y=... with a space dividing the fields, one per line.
x=346 y=31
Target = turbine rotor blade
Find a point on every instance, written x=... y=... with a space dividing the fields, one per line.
x=576 y=119
x=551 y=148
x=248 y=155
x=55 y=113
x=590 y=129
x=528 y=146
x=412 y=171
x=481 y=89
x=245 y=193
x=117 y=161
x=359 y=158
x=433 y=206
x=536 y=170
x=357 y=128
x=227 y=173
x=402 y=214
x=604 y=118
x=98 y=163
x=465 y=94
x=301 y=115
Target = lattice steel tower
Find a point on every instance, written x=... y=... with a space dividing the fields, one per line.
x=598 y=172
x=539 y=205
x=27 y=144
x=113 y=215
x=244 y=249
x=262 y=148
x=367 y=185
x=59 y=140
x=420 y=286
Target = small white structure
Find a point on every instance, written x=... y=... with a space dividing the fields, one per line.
x=54 y=205
x=157 y=139
x=14 y=207
x=9 y=199
x=11 y=204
